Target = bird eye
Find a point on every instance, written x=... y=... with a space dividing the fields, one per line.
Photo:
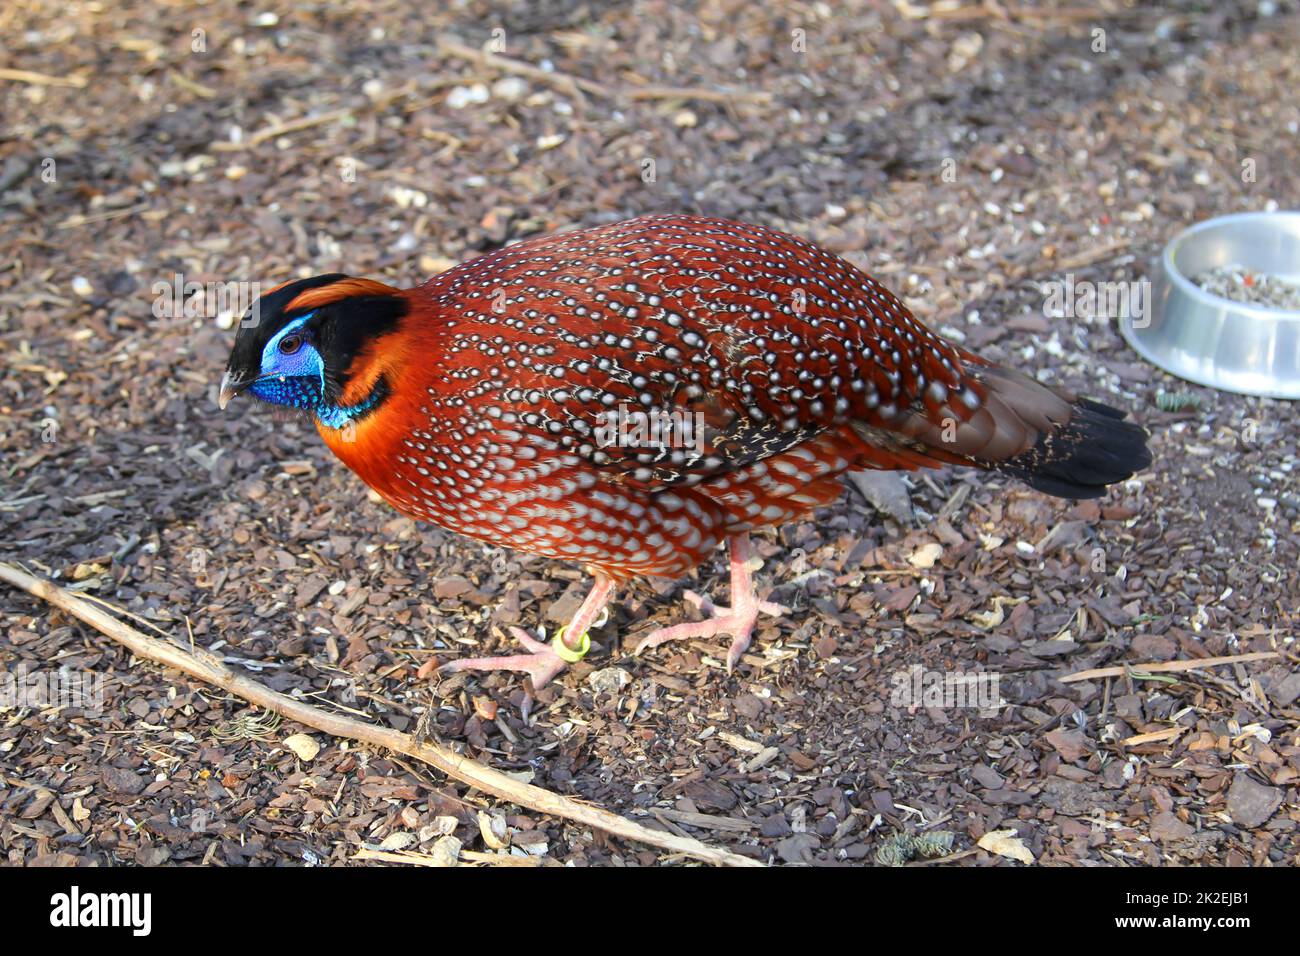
x=290 y=344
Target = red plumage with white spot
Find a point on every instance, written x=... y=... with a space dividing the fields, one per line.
x=521 y=388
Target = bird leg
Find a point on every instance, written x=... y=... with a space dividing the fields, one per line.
x=546 y=659
x=737 y=620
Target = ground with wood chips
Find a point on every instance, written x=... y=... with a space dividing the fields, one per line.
x=964 y=159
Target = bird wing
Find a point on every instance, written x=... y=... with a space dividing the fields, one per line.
x=761 y=342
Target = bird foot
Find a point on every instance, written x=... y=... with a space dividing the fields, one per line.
x=738 y=622
x=542 y=664
x=546 y=659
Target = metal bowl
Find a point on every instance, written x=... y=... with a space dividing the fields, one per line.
x=1213 y=341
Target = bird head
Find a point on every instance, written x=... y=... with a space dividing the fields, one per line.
x=303 y=344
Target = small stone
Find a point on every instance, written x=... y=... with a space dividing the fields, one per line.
x=1070 y=744
x=925 y=556
x=40 y=803
x=1129 y=707
x=1052 y=648
x=1000 y=643
x=452 y=587
x=823 y=796
x=987 y=777
x=303 y=745
x=1251 y=803
x=1115 y=774
x=748 y=706
x=1154 y=647
x=81 y=286
x=398 y=841
x=1165 y=826
x=446 y=852
x=1069 y=797
x=432 y=265
x=120 y=780
x=886 y=492
x=798 y=848
x=883 y=802
x=608 y=680
x=825 y=647
x=510 y=88
x=406 y=198
x=1285 y=693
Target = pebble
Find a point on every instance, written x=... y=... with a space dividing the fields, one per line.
x=120 y=780
x=463 y=96
x=608 y=680
x=1251 y=803
x=432 y=265
x=510 y=88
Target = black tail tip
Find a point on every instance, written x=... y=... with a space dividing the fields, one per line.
x=1096 y=448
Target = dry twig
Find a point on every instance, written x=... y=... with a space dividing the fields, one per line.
x=207 y=667
x=575 y=86
x=1155 y=737
x=1167 y=666
x=41 y=79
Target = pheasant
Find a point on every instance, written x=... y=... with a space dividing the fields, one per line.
x=630 y=396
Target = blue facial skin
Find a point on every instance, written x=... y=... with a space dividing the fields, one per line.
x=296 y=379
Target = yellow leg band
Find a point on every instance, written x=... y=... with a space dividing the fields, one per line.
x=568 y=654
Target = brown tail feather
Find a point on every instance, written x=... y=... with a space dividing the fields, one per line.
x=1059 y=444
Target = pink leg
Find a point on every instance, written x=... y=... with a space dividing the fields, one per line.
x=542 y=663
x=737 y=620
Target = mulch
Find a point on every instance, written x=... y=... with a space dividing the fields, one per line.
x=239 y=531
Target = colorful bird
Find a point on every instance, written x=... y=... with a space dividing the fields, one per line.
x=630 y=396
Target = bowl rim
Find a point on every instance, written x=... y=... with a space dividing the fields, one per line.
x=1187 y=286
x=1198 y=376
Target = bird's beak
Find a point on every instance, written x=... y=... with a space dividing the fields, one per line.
x=229 y=389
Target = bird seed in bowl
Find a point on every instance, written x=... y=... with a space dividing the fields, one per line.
x=1239 y=284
